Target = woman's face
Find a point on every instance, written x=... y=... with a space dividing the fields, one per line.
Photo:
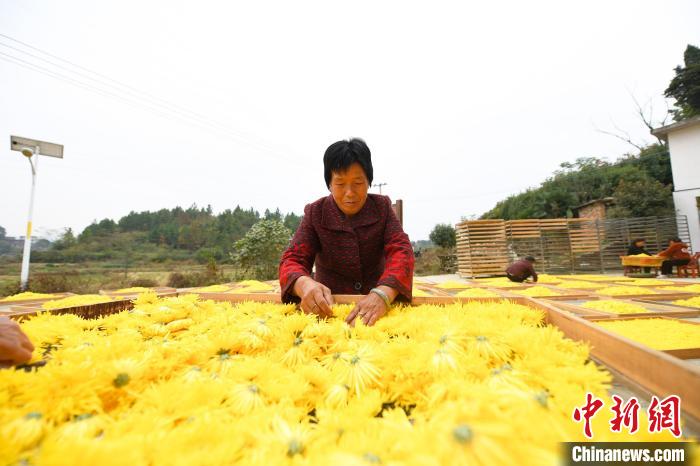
x=640 y=244
x=349 y=189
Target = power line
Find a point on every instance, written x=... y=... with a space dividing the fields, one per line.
x=118 y=90
x=102 y=76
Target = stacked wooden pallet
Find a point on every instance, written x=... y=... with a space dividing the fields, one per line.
x=481 y=248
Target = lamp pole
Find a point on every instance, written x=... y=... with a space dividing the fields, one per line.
x=32 y=149
x=24 y=276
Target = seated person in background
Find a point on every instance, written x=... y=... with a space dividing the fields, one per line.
x=15 y=347
x=637 y=247
x=677 y=254
x=521 y=270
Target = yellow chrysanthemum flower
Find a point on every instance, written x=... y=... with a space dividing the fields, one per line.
x=614 y=307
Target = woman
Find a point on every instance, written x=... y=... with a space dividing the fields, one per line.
x=637 y=247
x=677 y=254
x=353 y=238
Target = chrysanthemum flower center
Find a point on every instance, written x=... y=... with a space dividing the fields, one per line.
x=462 y=433
x=295 y=447
x=121 y=379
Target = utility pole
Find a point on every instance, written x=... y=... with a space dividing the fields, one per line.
x=379 y=185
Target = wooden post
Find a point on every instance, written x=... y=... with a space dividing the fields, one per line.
x=398 y=209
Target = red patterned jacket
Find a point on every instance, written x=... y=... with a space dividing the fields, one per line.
x=352 y=255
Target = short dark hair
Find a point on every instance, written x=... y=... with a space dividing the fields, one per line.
x=675 y=239
x=530 y=259
x=340 y=155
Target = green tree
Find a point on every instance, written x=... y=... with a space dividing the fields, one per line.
x=67 y=240
x=585 y=180
x=443 y=235
x=258 y=253
x=642 y=198
x=3 y=233
x=292 y=221
x=685 y=86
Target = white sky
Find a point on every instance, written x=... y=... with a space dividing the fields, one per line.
x=461 y=103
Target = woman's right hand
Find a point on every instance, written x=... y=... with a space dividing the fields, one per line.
x=315 y=297
x=15 y=347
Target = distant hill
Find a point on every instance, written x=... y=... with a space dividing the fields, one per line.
x=11 y=247
x=641 y=185
x=167 y=234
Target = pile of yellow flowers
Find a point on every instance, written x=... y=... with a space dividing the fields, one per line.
x=214 y=288
x=661 y=334
x=624 y=291
x=253 y=286
x=579 y=285
x=452 y=285
x=643 y=282
x=596 y=278
x=134 y=289
x=500 y=282
x=417 y=292
x=477 y=293
x=78 y=300
x=537 y=291
x=614 y=307
x=548 y=279
x=180 y=381
x=695 y=288
x=26 y=295
x=691 y=302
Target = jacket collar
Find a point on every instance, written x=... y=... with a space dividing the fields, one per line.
x=334 y=219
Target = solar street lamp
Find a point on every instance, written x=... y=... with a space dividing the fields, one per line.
x=32 y=149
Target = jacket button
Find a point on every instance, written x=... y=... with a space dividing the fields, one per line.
x=358 y=286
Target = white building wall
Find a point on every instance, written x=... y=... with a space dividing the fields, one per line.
x=684 y=146
x=686 y=204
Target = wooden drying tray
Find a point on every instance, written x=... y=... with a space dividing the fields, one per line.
x=659 y=372
x=161 y=291
x=89 y=311
x=655 y=298
x=664 y=294
x=614 y=280
x=353 y=298
x=564 y=296
x=35 y=300
x=685 y=353
x=656 y=310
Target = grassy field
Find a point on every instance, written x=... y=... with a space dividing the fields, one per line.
x=92 y=277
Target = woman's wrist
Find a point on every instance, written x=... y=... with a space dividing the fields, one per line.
x=382 y=295
x=390 y=292
x=299 y=284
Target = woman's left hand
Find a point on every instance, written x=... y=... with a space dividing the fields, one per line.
x=370 y=309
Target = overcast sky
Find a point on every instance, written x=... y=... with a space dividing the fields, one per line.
x=233 y=103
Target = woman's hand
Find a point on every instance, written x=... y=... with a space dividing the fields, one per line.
x=315 y=297
x=15 y=347
x=372 y=307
